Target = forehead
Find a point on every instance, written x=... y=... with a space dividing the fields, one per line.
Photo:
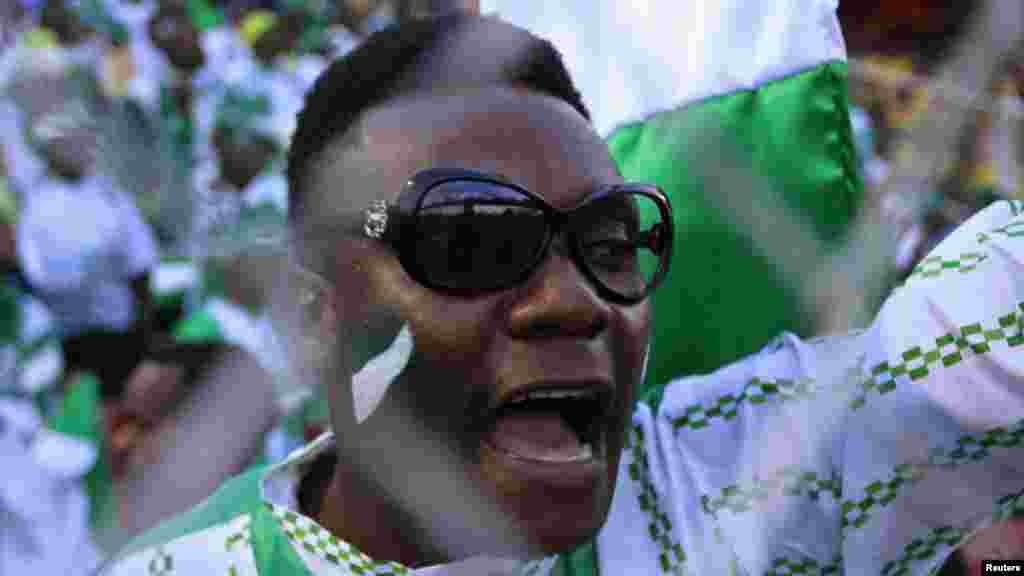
x=477 y=53
x=535 y=141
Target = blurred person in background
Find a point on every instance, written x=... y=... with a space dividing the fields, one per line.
x=838 y=454
x=92 y=269
x=44 y=512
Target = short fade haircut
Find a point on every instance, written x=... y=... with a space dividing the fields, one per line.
x=377 y=71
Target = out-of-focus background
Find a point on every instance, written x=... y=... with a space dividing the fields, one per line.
x=142 y=196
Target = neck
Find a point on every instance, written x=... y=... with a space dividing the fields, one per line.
x=354 y=510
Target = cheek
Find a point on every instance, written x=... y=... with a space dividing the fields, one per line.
x=448 y=330
x=453 y=337
x=631 y=337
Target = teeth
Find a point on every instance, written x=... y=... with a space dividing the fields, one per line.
x=585 y=453
x=553 y=395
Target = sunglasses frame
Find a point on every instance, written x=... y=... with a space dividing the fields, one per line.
x=395 y=225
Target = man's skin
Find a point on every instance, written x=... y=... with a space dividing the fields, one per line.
x=470 y=353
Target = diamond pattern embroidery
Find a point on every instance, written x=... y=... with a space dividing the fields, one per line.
x=306 y=534
x=933 y=266
x=791 y=481
x=756 y=392
x=949 y=350
x=969 y=448
x=921 y=549
x=672 y=557
x=242 y=537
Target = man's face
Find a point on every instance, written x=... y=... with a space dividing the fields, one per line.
x=472 y=355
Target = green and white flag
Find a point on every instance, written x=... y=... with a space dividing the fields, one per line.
x=734 y=108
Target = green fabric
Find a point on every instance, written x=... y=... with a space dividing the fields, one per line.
x=235 y=497
x=200 y=326
x=271 y=549
x=10 y=314
x=8 y=203
x=581 y=562
x=79 y=415
x=797 y=132
x=204 y=14
x=240 y=495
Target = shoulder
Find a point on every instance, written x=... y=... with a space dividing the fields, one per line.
x=220 y=549
x=204 y=538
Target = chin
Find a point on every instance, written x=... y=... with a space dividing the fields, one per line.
x=558 y=506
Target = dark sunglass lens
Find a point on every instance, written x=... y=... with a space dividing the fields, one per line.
x=621 y=239
x=474 y=235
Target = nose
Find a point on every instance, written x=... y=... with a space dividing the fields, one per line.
x=558 y=302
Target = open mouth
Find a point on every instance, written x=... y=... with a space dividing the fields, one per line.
x=552 y=424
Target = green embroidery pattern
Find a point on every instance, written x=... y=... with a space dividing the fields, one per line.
x=791 y=481
x=946 y=538
x=949 y=350
x=1010 y=506
x=921 y=549
x=809 y=566
x=243 y=536
x=756 y=392
x=310 y=536
x=969 y=448
x=672 y=557
x=933 y=266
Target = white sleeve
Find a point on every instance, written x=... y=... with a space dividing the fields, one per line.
x=734 y=471
x=934 y=446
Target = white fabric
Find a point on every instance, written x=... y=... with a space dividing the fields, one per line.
x=43 y=511
x=706 y=476
x=250 y=332
x=43 y=367
x=80 y=246
x=270 y=187
x=174 y=277
x=633 y=59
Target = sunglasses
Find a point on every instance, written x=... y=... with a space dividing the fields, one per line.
x=467 y=233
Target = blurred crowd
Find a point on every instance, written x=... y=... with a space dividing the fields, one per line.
x=143 y=150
